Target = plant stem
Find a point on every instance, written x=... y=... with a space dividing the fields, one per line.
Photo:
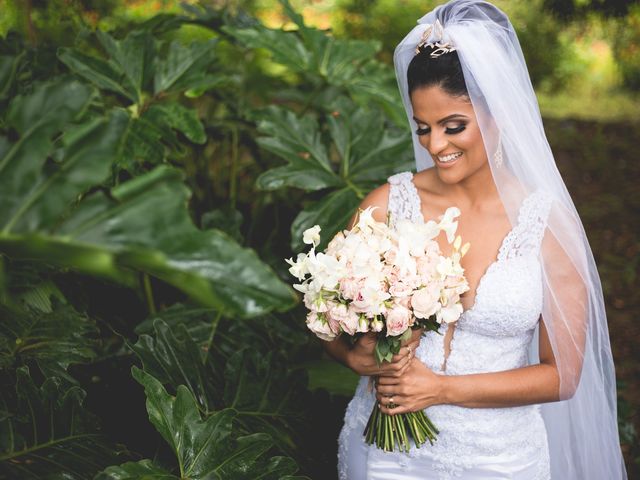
x=148 y=293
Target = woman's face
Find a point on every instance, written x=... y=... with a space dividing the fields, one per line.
x=447 y=127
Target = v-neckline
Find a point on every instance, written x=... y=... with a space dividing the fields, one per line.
x=493 y=263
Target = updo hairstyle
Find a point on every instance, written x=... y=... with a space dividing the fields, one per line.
x=443 y=71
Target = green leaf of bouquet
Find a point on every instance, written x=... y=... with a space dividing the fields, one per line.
x=45 y=432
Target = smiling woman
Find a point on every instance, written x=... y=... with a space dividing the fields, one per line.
x=522 y=385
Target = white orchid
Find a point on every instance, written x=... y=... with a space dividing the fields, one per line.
x=299 y=268
x=447 y=223
x=311 y=236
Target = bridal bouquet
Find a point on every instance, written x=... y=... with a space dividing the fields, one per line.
x=374 y=278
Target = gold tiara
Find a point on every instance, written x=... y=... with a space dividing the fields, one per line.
x=441 y=47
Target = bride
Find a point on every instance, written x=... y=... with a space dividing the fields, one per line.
x=522 y=386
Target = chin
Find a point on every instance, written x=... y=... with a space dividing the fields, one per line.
x=450 y=176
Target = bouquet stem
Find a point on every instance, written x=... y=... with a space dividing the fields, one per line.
x=392 y=432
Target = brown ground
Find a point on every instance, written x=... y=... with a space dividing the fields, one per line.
x=600 y=167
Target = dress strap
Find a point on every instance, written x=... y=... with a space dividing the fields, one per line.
x=526 y=236
x=404 y=201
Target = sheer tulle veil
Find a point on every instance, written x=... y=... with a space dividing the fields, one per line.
x=582 y=427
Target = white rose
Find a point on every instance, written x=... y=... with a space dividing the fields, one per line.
x=312 y=235
x=425 y=301
x=376 y=324
x=449 y=314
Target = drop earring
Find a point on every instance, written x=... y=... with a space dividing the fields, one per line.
x=497 y=156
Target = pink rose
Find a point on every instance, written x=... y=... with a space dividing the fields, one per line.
x=398 y=318
x=404 y=301
x=320 y=326
x=350 y=288
x=425 y=301
x=347 y=318
x=400 y=289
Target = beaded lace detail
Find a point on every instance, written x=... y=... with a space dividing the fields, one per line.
x=493 y=335
x=404 y=201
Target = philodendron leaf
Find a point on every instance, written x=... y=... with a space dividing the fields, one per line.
x=48 y=216
x=46 y=433
x=173 y=357
x=206 y=448
x=53 y=339
x=133 y=57
x=298 y=141
x=184 y=66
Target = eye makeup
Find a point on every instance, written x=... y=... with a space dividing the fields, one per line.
x=449 y=131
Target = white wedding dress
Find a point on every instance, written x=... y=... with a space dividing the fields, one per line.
x=493 y=335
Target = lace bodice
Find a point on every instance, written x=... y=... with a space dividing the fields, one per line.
x=493 y=335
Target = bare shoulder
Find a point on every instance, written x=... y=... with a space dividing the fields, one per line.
x=378 y=197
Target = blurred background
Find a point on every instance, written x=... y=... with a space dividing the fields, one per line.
x=160 y=159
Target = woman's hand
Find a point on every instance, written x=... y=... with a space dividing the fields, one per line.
x=361 y=358
x=417 y=388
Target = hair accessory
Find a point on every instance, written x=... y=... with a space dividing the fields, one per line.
x=438 y=33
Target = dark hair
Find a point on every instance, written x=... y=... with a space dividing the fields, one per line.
x=443 y=71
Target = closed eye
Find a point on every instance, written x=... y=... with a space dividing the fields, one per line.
x=448 y=131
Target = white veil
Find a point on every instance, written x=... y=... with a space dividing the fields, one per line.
x=582 y=428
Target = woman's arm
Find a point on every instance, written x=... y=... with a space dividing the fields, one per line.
x=420 y=388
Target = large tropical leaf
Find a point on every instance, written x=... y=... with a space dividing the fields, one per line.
x=205 y=448
x=53 y=339
x=111 y=234
x=46 y=433
x=173 y=357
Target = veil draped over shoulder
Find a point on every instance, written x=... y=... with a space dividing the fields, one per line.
x=582 y=427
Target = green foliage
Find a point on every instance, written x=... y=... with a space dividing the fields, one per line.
x=205 y=448
x=327 y=66
x=109 y=235
x=627 y=49
x=149 y=77
x=45 y=429
x=352 y=151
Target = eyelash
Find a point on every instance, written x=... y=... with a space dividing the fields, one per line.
x=449 y=131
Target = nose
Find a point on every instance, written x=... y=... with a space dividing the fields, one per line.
x=436 y=142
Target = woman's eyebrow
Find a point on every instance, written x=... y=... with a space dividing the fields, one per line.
x=443 y=120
